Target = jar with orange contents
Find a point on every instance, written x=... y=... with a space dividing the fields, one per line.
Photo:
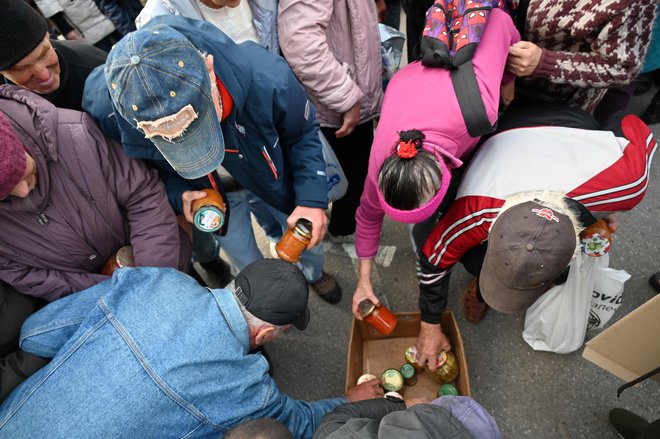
x=379 y=317
x=294 y=241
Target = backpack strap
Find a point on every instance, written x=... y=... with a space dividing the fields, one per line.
x=521 y=16
x=469 y=99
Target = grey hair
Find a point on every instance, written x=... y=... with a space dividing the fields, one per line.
x=260 y=429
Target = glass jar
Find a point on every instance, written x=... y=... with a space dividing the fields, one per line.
x=392 y=380
x=409 y=374
x=379 y=317
x=294 y=241
x=447 y=390
x=411 y=358
x=209 y=212
x=596 y=239
x=447 y=367
x=121 y=258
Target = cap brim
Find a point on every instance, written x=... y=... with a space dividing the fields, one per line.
x=199 y=151
x=303 y=321
x=500 y=297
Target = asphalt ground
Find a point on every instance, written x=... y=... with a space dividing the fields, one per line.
x=530 y=394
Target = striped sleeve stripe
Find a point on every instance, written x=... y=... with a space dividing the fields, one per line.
x=437 y=255
x=643 y=181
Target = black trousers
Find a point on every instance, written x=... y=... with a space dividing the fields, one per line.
x=352 y=152
x=15 y=365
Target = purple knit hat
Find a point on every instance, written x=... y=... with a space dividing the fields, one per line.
x=12 y=157
x=420 y=213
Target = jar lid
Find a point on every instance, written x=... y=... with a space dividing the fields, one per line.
x=411 y=354
x=304 y=227
x=442 y=359
x=125 y=257
x=407 y=370
x=366 y=307
x=392 y=380
x=209 y=218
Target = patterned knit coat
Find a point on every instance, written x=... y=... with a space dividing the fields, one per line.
x=588 y=46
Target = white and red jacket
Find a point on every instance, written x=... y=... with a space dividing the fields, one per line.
x=603 y=172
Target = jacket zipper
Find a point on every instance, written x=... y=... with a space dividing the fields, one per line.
x=264 y=152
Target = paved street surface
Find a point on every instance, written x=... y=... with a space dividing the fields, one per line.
x=530 y=394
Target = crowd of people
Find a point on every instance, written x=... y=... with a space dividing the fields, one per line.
x=117 y=118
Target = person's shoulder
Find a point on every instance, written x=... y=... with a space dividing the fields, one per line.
x=79 y=53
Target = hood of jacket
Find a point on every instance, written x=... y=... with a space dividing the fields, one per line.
x=35 y=120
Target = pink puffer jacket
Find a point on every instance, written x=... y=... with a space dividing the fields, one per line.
x=333 y=47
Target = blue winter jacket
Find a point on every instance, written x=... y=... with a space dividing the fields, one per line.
x=147 y=354
x=271 y=135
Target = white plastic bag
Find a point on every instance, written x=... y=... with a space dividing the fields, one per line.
x=337 y=183
x=607 y=296
x=557 y=321
x=391 y=49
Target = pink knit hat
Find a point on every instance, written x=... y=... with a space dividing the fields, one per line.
x=12 y=157
x=421 y=213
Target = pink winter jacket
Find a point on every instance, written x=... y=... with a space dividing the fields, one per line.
x=423 y=98
x=333 y=47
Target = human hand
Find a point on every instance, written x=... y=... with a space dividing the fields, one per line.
x=73 y=35
x=187 y=199
x=381 y=10
x=430 y=342
x=351 y=119
x=367 y=390
x=415 y=401
x=507 y=92
x=612 y=222
x=317 y=217
x=364 y=289
x=523 y=58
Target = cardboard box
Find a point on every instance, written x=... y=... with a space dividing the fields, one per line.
x=369 y=351
x=630 y=347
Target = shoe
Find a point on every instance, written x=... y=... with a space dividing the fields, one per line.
x=474 y=309
x=655 y=282
x=341 y=239
x=327 y=288
x=218 y=272
x=627 y=424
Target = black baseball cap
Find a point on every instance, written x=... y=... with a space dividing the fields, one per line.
x=274 y=291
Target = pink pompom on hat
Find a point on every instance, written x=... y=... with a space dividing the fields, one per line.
x=421 y=213
x=12 y=157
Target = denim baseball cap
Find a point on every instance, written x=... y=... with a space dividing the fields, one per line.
x=159 y=83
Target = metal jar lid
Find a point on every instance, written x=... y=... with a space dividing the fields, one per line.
x=303 y=228
x=366 y=307
x=408 y=371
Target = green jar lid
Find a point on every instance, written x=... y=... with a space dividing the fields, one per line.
x=447 y=390
x=407 y=370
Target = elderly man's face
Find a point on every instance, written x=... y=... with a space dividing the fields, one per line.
x=29 y=180
x=39 y=71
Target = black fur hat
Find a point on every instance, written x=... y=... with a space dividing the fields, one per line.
x=21 y=30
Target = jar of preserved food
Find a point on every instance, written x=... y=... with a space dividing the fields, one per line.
x=409 y=374
x=392 y=380
x=366 y=377
x=379 y=317
x=447 y=367
x=411 y=357
x=121 y=258
x=294 y=241
x=447 y=390
x=209 y=212
x=596 y=239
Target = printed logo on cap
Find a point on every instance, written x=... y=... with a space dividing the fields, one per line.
x=546 y=213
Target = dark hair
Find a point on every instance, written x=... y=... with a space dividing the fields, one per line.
x=406 y=183
x=260 y=429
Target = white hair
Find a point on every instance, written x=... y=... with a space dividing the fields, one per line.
x=551 y=199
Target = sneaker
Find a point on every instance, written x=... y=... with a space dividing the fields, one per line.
x=627 y=424
x=327 y=288
x=341 y=239
x=654 y=281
